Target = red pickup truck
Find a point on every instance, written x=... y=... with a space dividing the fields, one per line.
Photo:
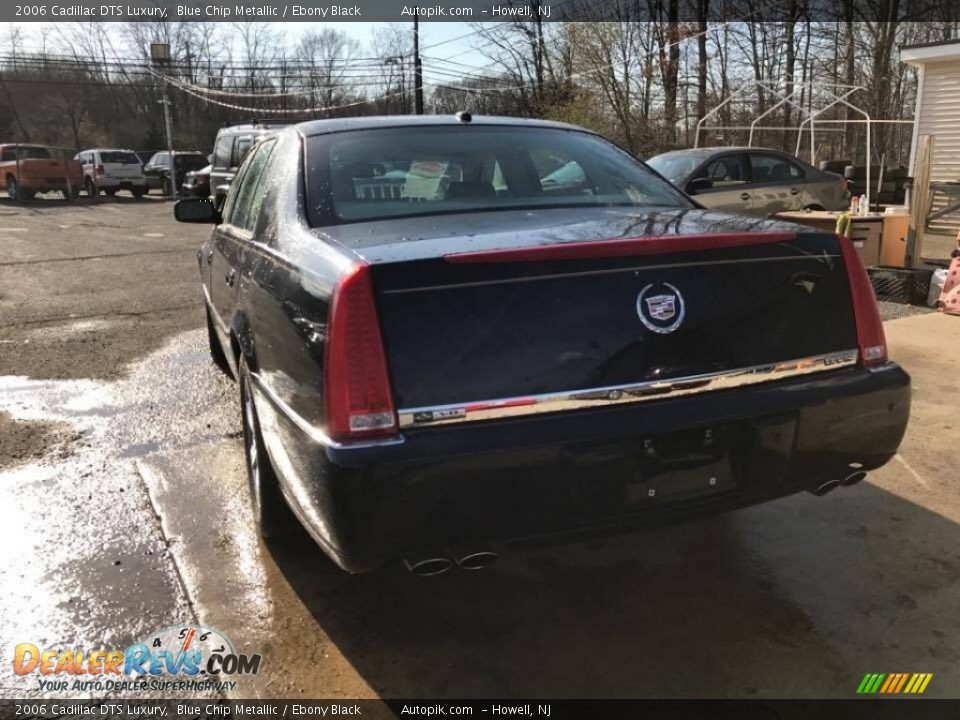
x=31 y=169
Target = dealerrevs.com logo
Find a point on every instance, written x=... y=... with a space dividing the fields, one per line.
x=186 y=658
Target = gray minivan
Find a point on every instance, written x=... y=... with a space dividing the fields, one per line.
x=230 y=148
x=755 y=181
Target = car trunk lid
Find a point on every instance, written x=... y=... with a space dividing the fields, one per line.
x=495 y=320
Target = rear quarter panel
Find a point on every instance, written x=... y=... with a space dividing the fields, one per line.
x=285 y=285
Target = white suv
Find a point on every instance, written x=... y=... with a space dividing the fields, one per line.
x=111 y=170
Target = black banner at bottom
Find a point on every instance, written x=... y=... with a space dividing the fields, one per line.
x=874 y=709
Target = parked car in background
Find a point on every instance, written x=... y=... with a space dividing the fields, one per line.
x=231 y=146
x=107 y=171
x=31 y=169
x=755 y=181
x=530 y=335
x=196 y=183
x=157 y=168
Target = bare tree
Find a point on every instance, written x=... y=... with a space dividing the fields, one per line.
x=391 y=47
x=327 y=54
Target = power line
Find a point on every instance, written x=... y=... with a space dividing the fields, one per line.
x=278 y=111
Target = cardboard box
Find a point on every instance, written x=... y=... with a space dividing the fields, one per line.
x=866 y=236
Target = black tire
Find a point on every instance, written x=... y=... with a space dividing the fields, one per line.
x=138 y=192
x=13 y=188
x=270 y=511
x=146 y=189
x=165 y=188
x=216 y=349
x=89 y=188
x=110 y=191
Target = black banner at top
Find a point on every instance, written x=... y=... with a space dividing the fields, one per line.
x=479 y=10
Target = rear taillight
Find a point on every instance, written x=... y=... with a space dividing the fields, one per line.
x=357 y=393
x=870 y=336
x=100 y=170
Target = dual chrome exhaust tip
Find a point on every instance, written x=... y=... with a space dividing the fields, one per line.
x=851 y=479
x=430 y=565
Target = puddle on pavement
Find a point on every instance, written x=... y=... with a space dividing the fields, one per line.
x=83 y=562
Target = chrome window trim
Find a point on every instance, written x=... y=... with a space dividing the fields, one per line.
x=431 y=416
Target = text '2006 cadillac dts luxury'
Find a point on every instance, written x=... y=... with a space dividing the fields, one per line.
x=457 y=334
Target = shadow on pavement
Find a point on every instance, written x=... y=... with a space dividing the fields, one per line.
x=797 y=598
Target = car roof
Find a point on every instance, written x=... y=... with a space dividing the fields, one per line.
x=249 y=128
x=321 y=127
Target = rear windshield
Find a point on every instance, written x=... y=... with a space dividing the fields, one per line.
x=117 y=156
x=25 y=152
x=403 y=172
x=676 y=168
x=192 y=162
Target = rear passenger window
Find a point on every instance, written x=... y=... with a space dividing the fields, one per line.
x=240 y=150
x=771 y=168
x=724 y=171
x=245 y=208
x=221 y=153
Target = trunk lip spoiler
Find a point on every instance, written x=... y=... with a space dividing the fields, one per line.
x=620 y=247
x=630 y=393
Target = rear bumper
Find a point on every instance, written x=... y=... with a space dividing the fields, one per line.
x=125 y=184
x=43 y=183
x=575 y=474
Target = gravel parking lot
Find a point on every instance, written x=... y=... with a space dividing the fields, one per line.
x=123 y=509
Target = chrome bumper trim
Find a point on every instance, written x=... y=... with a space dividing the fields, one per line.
x=621 y=394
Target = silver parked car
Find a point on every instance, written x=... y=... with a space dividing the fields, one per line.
x=756 y=181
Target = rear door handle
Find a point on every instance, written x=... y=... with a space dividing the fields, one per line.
x=744 y=196
x=230 y=277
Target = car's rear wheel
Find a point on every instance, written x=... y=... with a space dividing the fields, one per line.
x=270 y=510
x=216 y=349
x=138 y=192
x=110 y=192
x=13 y=188
x=89 y=188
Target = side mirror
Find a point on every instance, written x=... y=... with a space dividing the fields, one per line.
x=699 y=185
x=210 y=158
x=196 y=210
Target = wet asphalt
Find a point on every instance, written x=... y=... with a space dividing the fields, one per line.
x=123 y=510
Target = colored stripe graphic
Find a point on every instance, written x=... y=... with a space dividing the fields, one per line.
x=894 y=683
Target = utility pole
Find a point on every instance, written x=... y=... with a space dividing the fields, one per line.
x=417 y=68
x=166 y=121
x=160 y=54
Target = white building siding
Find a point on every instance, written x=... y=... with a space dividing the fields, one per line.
x=939 y=116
